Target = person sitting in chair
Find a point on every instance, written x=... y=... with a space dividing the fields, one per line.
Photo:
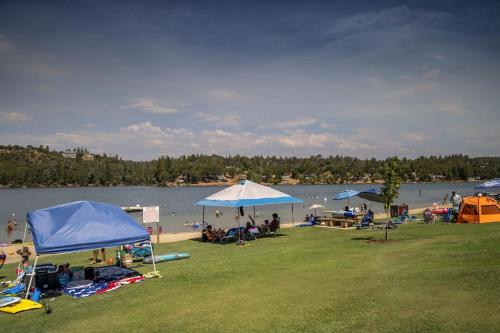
x=429 y=217
x=208 y=234
x=64 y=275
x=264 y=227
x=275 y=223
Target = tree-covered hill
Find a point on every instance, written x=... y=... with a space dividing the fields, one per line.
x=39 y=166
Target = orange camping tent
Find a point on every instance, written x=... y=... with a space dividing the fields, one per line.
x=489 y=210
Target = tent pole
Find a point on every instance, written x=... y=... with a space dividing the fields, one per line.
x=33 y=272
x=152 y=256
x=239 y=227
x=293 y=220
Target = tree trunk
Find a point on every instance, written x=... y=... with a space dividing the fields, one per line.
x=387 y=224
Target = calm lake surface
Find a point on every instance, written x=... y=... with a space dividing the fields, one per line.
x=176 y=203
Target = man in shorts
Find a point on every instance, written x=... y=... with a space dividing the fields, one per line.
x=456 y=200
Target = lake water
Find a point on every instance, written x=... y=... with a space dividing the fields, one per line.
x=176 y=203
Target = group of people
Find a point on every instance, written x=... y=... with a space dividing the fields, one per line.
x=456 y=201
x=210 y=234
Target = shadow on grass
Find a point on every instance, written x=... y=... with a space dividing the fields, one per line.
x=363 y=238
x=200 y=240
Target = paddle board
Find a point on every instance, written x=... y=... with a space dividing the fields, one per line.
x=166 y=257
x=8 y=300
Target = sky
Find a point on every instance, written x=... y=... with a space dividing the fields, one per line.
x=147 y=78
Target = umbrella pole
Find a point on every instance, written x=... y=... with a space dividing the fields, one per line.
x=153 y=257
x=254 y=212
x=293 y=220
x=203 y=218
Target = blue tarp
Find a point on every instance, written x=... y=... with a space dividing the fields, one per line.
x=82 y=225
x=371 y=195
x=490 y=184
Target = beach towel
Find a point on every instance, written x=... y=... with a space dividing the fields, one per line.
x=15 y=290
x=134 y=279
x=85 y=291
x=109 y=287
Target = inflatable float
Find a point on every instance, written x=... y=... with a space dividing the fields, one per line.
x=440 y=211
x=22 y=305
x=166 y=257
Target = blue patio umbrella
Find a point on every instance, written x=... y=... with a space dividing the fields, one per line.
x=370 y=195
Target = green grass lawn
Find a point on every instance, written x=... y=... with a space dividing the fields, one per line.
x=429 y=278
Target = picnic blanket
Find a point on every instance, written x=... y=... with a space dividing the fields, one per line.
x=101 y=287
x=113 y=273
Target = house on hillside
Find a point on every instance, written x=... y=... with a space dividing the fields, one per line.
x=88 y=157
x=68 y=154
x=181 y=179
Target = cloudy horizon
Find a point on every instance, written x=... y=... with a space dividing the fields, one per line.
x=145 y=79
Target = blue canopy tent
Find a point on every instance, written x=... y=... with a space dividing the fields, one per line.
x=489 y=185
x=247 y=193
x=80 y=226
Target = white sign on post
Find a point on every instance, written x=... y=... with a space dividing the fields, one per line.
x=151 y=214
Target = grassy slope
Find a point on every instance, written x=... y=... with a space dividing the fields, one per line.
x=431 y=278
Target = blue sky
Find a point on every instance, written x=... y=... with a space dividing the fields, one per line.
x=143 y=79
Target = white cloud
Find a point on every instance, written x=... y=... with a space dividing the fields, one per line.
x=302 y=139
x=15 y=117
x=438 y=56
x=219 y=121
x=226 y=95
x=148 y=105
x=291 y=123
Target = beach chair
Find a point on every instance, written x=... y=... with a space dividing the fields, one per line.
x=446 y=217
x=365 y=222
x=274 y=230
x=232 y=234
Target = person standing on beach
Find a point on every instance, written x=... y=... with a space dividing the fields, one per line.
x=456 y=200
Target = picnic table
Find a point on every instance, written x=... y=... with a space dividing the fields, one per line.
x=336 y=221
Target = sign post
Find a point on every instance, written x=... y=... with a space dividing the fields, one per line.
x=152 y=215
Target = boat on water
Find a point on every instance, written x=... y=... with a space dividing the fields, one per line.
x=132 y=209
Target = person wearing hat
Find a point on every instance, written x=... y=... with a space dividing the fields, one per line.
x=24 y=253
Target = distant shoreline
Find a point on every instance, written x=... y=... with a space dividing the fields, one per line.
x=222 y=184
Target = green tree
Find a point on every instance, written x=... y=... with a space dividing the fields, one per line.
x=392 y=183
